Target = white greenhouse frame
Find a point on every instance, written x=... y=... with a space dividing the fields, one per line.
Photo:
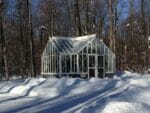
x=85 y=56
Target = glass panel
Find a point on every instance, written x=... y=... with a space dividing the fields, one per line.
x=100 y=73
x=106 y=63
x=74 y=63
x=94 y=50
x=63 y=63
x=81 y=63
x=114 y=64
x=53 y=65
x=85 y=50
x=57 y=64
x=85 y=64
x=100 y=49
x=67 y=63
x=100 y=61
x=110 y=63
x=91 y=61
x=89 y=48
x=92 y=72
x=50 y=49
x=46 y=64
x=106 y=51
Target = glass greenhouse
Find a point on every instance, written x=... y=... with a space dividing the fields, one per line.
x=84 y=57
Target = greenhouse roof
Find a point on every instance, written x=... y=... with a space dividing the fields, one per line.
x=72 y=45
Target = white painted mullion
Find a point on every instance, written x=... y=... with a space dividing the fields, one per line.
x=87 y=62
x=96 y=66
x=108 y=62
x=52 y=59
x=104 y=64
x=48 y=63
x=112 y=63
x=60 y=66
x=44 y=63
x=77 y=58
x=82 y=62
x=41 y=65
x=71 y=63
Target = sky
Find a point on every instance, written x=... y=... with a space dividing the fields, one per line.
x=35 y=3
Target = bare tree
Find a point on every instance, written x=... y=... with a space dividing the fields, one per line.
x=33 y=70
x=111 y=25
x=19 y=9
x=3 y=41
x=69 y=16
x=77 y=17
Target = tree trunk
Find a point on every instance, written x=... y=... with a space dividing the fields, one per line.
x=77 y=17
x=143 y=18
x=69 y=17
x=33 y=71
x=3 y=40
x=116 y=24
x=87 y=16
x=111 y=19
x=21 y=39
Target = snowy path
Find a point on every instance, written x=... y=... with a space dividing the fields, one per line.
x=99 y=98
x=65 y=103
x=49 y=104
x=130 y=94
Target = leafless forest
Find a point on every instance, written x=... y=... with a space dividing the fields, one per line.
x=25 y=26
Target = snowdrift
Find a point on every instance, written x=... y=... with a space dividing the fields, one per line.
x=129 y=93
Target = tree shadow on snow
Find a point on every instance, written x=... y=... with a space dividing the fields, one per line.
x=47 y=107
x=19 y=97
x=13 y=86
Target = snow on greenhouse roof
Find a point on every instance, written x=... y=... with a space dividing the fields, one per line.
x=70 y=45
x=80 y=38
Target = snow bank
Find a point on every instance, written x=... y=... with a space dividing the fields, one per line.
x=129 y=93
x=135 y=99
x=124 y=107
x=6 y=87
x=27 y=86
x=53 y=87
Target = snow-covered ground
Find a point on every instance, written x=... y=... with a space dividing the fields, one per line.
x=127 y=94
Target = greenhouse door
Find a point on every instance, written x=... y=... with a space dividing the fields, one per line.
x=92 y=66
x=101 y=66
x=96 y=66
